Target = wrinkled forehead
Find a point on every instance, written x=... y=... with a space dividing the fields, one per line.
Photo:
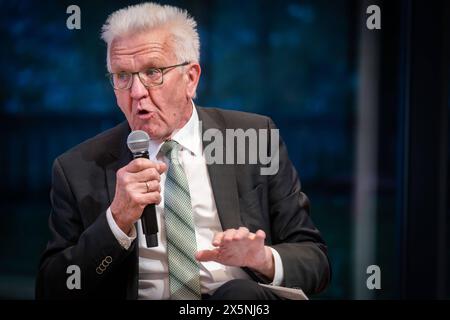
x=144 y=46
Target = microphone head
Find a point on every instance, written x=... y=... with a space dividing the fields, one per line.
x=138 y=141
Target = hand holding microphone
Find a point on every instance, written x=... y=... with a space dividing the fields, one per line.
x=138 y=189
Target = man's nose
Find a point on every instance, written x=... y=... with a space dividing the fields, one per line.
x=137 y=90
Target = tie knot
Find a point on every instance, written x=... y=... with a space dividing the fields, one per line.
x=169 y=149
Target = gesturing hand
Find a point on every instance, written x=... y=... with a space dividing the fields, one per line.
x=241 y=248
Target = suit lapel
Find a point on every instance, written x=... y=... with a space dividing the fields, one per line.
x=222 y=177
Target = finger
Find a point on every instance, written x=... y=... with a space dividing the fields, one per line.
x=141 y=187
x=149 y=186
x=218 y=239
x=207 y=255
x=140 y=164
x=241 y=233
x=260 y=235
x=147 y=175
x=148 y=198
x=228 y=235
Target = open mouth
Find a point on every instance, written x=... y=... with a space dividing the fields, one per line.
x=143 y=112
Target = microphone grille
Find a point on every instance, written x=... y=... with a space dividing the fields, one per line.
x=138 y=141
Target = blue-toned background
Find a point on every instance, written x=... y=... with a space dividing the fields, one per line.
x=296 y=61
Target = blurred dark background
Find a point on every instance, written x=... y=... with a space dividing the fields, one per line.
x=364 y=114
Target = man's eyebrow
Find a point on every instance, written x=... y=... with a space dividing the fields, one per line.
x=153 y=64
x=146 y=66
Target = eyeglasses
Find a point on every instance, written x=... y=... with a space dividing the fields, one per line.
x=150 y=77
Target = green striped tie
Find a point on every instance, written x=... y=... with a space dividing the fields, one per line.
x=184 y=272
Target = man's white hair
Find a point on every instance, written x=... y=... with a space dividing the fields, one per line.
x=181 y=26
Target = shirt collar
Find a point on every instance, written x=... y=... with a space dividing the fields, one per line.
x=188 y=137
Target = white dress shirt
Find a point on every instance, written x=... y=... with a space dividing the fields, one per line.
x=153 y=266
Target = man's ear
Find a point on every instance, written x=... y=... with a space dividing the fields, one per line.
x=193 y=75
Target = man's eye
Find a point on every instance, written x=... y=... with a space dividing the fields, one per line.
x=152 y=73
x=123 y=76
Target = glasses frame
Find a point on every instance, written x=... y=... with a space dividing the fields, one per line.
x=162 y=70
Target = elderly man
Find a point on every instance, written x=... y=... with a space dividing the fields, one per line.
x=222 y=227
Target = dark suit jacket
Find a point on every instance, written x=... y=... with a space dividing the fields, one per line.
x=83 y=187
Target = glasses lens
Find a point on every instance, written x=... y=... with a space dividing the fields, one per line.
x=151 y=77
x=121 y=80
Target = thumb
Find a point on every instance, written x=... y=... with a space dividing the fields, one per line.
x=162 y=167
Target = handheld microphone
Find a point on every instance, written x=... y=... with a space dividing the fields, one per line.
x=138 y=142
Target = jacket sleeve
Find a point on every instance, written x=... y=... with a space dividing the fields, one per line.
x=93 y=249
x=302 y=250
